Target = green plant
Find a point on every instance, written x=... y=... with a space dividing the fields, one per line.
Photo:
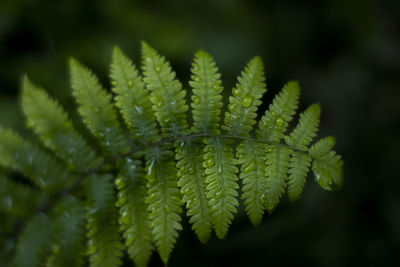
x=160 y=166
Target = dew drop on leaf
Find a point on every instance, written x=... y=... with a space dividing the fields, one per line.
x=237 y=92
x=280 y=121
x=210 y=162
x=247 y=101
x=196 y=100
x=233 y=107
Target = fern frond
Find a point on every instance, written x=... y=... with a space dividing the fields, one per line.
x=221 y=183
x=192 y=164
x=242 y=108
x=206 y=98
x=327 y=165
x=20 y=155
x=34 y=243
x=275 y=121
x=251 y=158
x=134 y=214
x=104 y=246
x=96 y=109
x=193 y=188
x=322 y=147
x=298 y=169
x=69 y=244
x=306 y=129
x=167 y=95
x=133 y=99
x=277 y=160
x=49 y=121
x=164 y=199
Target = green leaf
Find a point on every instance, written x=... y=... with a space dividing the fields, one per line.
x=250 y=155
x=164 y=199
x=34 y=243
x=306 y=129
x=96 y=109
x=298 y=169
x=134 y=214
x=322 y=147
x=206 y=99
x=275 y=121
x=191 y=174
x=167 y=95
x=221 y=183
x=16 y=199
x=133 y=99
x=28 y=159
x=104 y=246
x=242 y=108
x=49 y=121
x=277 y=160
x=69 y=245
x=327 y=165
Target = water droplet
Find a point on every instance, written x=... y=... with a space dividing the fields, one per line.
x=139 y=109
x=197 y=79
x=216 y=87
x=210 y=162
x=167 y=209
x=196 y=100
x=280 y=121
x=248 y=168
x=157 y=68
x=191 y=170
x=150 y=169
x=237 y=92
x=247 y=101
x=130 y=84
x=233 y=107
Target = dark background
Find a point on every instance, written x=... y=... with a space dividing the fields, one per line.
x=345 y=54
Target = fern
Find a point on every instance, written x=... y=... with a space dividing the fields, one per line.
x=91 y=204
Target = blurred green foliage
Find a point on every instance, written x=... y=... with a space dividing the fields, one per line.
x=346 y=55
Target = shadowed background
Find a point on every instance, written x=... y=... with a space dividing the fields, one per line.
x=345 y=54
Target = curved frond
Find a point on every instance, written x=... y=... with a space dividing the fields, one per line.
x=206 y=98
x=327 y=165
x=134 y=214
x=193 y=188
x=96 y=109
x=49 y=121
x=242 y=108
x=275 y=121
x=250 y=156
x=306 y=129
x=221 y=183
x=133 y=99
x=164 y=199
x=104 y=245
